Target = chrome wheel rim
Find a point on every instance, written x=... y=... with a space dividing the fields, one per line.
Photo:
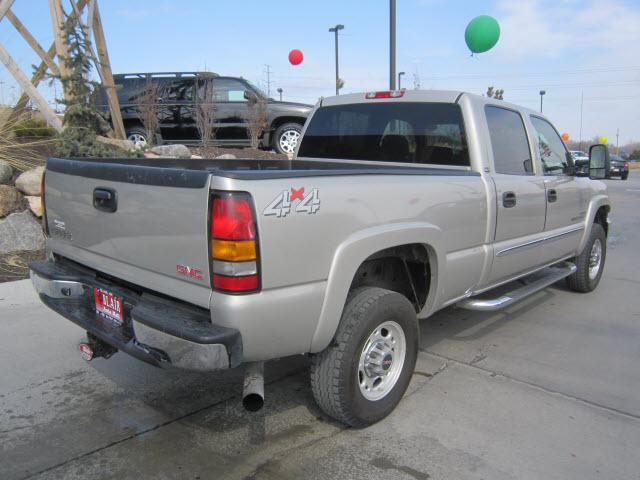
x=137 y=139
x=288 y=140
x=381 y=361
x=595 y=259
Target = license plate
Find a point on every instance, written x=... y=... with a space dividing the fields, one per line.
x=108 y=305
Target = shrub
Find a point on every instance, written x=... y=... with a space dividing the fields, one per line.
x=33 y=128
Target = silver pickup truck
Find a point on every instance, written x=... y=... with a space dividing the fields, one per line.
x=398 y=204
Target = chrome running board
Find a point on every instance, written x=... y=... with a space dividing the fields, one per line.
x=554 y=274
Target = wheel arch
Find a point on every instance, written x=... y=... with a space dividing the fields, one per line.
x=400 y=241
x=598 y=212
x=279 y=121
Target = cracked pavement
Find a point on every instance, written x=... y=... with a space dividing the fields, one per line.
x=549 y=388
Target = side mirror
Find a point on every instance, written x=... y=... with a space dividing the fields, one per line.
x=599 y=162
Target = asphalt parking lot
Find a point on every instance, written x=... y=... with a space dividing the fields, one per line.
x=549 y=388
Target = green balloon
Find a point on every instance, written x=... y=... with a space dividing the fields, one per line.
x=482 y=33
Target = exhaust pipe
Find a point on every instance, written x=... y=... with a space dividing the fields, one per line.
x=253 y=392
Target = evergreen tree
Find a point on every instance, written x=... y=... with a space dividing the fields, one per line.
x=82 y=120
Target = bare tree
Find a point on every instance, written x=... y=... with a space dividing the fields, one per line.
x=257 y=119
x=148 y=109
x=498 y=94
x=206 y=111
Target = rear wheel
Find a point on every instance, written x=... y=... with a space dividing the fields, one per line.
x=624 y=176
x=590 y=263
x=286 y=138
x=360 y=378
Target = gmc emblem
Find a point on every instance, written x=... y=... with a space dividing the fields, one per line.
x=190 y=272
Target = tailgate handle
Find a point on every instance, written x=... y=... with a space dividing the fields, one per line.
x=105 y=199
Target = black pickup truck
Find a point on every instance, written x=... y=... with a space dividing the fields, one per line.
x=177 y=103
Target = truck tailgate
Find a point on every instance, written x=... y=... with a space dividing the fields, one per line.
x=157 y=234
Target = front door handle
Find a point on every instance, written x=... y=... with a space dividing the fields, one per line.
x=552 y=195
x=508 y=199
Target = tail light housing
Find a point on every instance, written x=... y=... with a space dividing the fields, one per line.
x=626 y=164
x=234 y=243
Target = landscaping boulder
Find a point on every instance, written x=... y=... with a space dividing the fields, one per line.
x=226 y=156
x=172 y=151
x=126 y=145
x=35 y=205
x=29 y=181
x=20 y=231
x=6 y=172
x=10 y=200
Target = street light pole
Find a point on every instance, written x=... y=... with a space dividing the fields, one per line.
x=542 y=92
x=335 y=30
x=392 y=44
x=400 y=80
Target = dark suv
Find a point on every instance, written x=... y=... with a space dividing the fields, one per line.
x=176 y=110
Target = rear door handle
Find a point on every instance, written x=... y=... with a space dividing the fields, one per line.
x=105 y=199
x=552 y=195
x=508 y=199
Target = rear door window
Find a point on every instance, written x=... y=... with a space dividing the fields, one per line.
x=511 y=151
x=407 y=132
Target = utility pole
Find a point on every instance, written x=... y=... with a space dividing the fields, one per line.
x=280 y=92
x=617 y=138
x=335 y=30
x=416 y=81
x=268 y=72
x=400 y=80
x=392 y=44
x=581 y=105
x=542 y=92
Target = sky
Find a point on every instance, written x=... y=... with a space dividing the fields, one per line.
x=571 y=49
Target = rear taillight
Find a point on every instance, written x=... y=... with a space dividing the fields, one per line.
x=626 y=164
x=385 y=94
x=45 y=225
x=234 y=249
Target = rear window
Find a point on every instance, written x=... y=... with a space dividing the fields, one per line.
x=427 y=133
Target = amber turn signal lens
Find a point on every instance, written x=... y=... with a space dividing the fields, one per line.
x=233 y=251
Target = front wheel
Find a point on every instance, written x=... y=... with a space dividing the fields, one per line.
x=590 y=263
x=360 y=378
x=286 y=138
x=138 y=135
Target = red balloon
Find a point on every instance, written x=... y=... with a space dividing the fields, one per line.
x=295 y=57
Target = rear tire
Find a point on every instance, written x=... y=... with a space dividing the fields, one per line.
x=590 y=263
x=286 y=138
x=360 y=378
x=624 y=176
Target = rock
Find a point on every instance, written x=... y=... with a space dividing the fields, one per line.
x=20 y=231
x=6 y=172
x=10 y=200
x=126 y=145
x=196 y=157
x=35 y=204
x=151 y=155
x=172 y=151
x=226 y=156
x=29 y=181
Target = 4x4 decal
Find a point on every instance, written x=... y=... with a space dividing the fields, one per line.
x=281 y=205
